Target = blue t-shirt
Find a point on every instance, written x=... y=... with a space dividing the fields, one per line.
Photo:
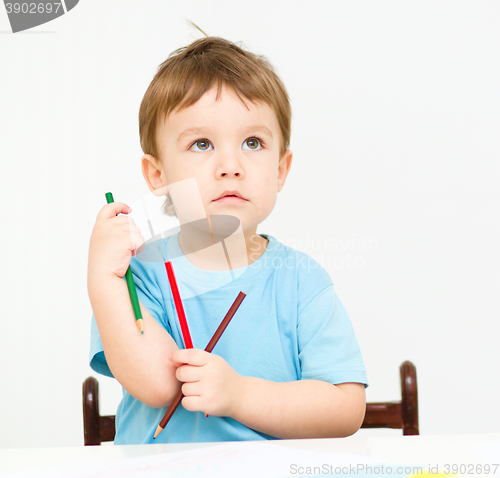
x=290 y=326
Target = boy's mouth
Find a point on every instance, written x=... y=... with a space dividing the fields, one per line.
x=234 y=195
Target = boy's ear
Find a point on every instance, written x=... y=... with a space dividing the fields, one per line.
x=284 y=166
x=153 y=175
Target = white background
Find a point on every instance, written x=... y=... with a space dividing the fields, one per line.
x=395 y=136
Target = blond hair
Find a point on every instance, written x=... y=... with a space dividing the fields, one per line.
x=183 y=78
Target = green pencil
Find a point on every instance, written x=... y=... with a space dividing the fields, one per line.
x=131 y=287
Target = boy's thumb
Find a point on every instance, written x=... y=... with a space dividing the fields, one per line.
x=113 y=209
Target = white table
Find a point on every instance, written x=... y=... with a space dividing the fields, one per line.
x=430 y=450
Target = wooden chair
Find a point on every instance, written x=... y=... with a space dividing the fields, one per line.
x=96 y=429
x=403 y=414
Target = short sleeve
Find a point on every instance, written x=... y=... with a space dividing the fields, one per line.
x=328 y=349
x=97 y=359
x=150 y=296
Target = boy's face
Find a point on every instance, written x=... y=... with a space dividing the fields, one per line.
x=226 y=146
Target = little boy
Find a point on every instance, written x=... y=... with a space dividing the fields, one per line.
x=288 y=365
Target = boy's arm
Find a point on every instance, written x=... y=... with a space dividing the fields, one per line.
x=301 y=409
x=311 y=408
x=138 y=361
x=304 y=408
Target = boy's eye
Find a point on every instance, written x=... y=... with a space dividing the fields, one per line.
x=253 y=143
x=201 y=145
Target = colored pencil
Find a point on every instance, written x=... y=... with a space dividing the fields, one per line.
x=180 y=309
x=225 y=322
x=131 y=287
x=178 y=305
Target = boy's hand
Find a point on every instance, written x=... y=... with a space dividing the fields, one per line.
x=210 y=385
x=115 y=239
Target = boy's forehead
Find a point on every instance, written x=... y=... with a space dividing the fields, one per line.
x=229 y=109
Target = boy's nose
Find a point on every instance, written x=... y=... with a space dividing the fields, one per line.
x=229 y=165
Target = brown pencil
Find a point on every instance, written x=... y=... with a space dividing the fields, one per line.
x=177 y=399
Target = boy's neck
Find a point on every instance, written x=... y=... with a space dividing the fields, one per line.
x=197 y=248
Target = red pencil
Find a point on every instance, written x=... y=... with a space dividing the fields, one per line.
x=225 y=322
x=178 y=306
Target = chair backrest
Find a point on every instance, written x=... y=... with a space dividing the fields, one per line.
x=403 y=414
x=96 y=429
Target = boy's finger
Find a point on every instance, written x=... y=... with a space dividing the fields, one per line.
x=113 y=209
x=188 y=373
x=195 y=357
x=138 y=242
